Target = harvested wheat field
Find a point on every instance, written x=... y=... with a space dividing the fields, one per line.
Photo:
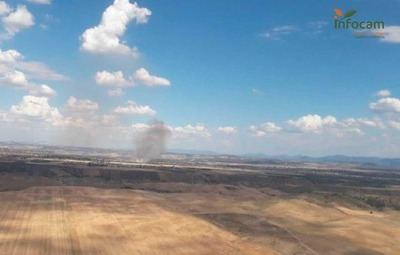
x=210 y=220
x=72 y=220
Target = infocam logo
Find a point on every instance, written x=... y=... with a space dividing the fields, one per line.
x=344 y=21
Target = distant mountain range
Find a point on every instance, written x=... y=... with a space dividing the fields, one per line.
x=332 y=159
x=337 y=159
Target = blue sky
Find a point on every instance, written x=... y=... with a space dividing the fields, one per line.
x=236 y=76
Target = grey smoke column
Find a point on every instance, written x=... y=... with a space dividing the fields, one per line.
x=152 y=142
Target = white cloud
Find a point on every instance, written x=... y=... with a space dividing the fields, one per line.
x=388 y=107
x=228 y=130
x=312 y=123
x=40 y=1
x=83 y=105
x=16 y=72
x=188 y=131
x=14 y=77
x=41 y=90
x=142 y=76
x=9 y=56
x=387 y=104
x=198 y=130
x=18 y=20
x=4 y=8
x=134 y=109
x=111 y=79
x=105 y=38
x=11 y=60
x=391 y=34
x=83 y=114
x=19 y=80
x=316 y=124
x=264 y=129
x=37 y=108
x=362 y=122
x=117 y=80
x=383 y=93
x=80 y=124
x=179 y=132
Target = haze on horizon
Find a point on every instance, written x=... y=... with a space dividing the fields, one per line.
x=244 y=77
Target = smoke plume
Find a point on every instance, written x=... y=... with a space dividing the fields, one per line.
x=152 y=142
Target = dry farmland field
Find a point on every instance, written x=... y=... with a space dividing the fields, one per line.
x=71 y=207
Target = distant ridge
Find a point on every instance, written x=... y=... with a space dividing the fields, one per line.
x=342 y=159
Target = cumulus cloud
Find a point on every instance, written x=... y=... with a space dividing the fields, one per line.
x=142 y=76
x=315 y=124
x=264 y=129
x=36 y=108
x=40 y=1
x=11 y=60
x=117 y=80
x=189 y=131
x=81 y=120
x=388 y=108
x=312 y=123
x=18 y=79
x=41 y=90
x=383 y=93
x=81 y=115
x=105 y=38
x=386 y=104
x=10 y=56
x=17 y=20
x=81 y=105
x=132 y=108
x=111 y=79
x=4 y=8
x=227 y=130
x=16 y=72
x=14 y=77
x=80 y=123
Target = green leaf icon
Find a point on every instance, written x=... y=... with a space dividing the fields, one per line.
x=349 y=14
